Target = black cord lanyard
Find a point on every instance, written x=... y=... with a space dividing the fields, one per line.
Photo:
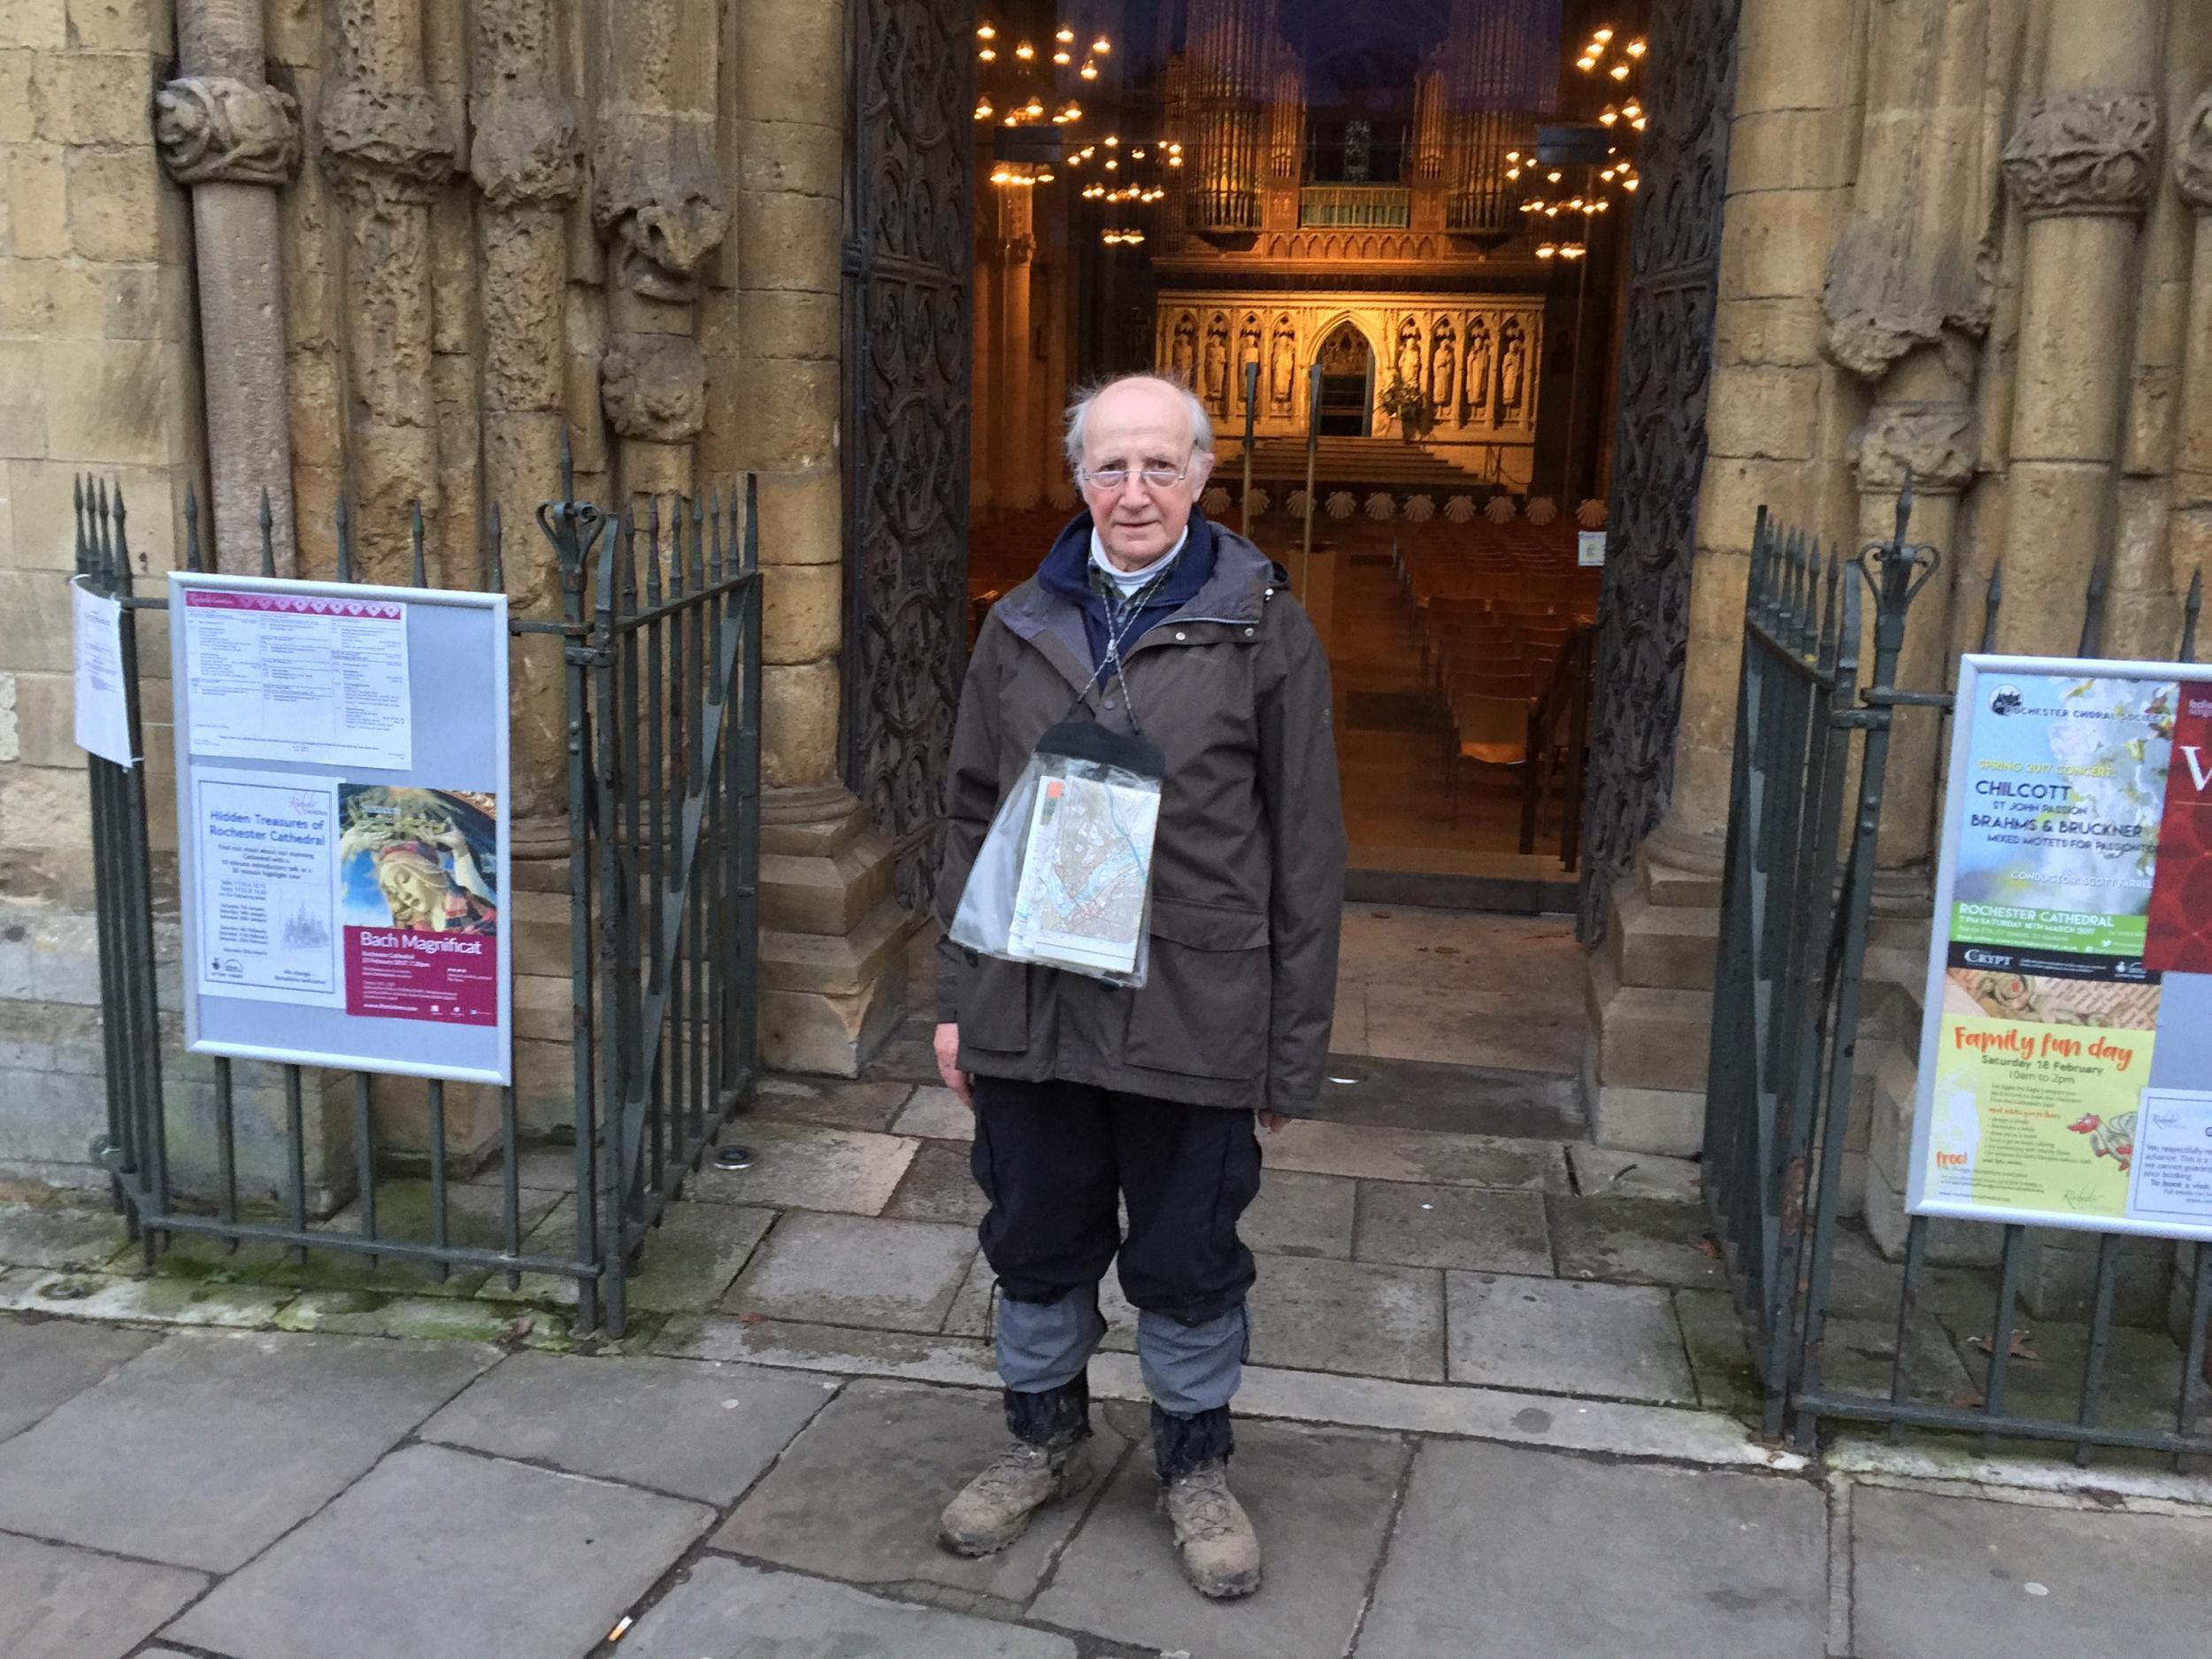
x=1121 y=622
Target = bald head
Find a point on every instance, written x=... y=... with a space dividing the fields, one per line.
x=1136 y=425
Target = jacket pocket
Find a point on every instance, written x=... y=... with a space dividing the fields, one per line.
x=1204 y=1008
x=994 y=1013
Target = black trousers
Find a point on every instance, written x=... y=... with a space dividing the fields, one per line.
x=1052 y=1157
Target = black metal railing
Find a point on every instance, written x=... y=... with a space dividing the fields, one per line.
x=660 y=635
x=1813 y=728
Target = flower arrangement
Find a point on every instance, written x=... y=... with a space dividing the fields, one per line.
x=1405 y=402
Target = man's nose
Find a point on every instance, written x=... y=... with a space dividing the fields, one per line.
x=1132 y=492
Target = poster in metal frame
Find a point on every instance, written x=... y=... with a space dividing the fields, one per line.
x=417 y=855
x=2029 y=966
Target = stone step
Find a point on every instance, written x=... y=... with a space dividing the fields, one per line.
x=1666 y=947
x=1649 y=1036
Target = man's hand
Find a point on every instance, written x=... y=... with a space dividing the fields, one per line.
x=1272 y=1122
x=948 y=1062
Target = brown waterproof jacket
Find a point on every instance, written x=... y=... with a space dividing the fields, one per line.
x=1247 y=862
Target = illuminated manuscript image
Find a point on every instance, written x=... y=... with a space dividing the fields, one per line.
x=418 y=899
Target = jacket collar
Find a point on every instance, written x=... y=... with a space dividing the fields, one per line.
x=1222 y=577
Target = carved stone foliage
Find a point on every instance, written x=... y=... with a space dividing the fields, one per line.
x=1659 y=439
x=655 y=388
x=229 y=131
x=526 y=151
x=1935 y=442
x=659 y=200
x=2083 y=153
x=392 y=141
x=907 y=363
x=2192 y=154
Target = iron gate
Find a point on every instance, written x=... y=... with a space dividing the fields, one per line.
x=1659 y=438
x=1796 y=904
x=660 y=635
x=908 y=244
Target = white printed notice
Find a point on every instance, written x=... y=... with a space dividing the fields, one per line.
x=298 y=677
x=103 y=724
x=2172 y=1179
x=266 y=845
x=1080 y=899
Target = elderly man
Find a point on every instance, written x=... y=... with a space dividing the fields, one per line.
x=1088 y=1095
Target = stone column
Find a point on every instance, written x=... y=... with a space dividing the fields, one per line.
x=1019 y=485
x=525 y=158
x=660 y=205
x=833 y=940
x=2079 y=164
x=385 y=142
x=234 y=140
x=2189 y=525
x=1908 y=301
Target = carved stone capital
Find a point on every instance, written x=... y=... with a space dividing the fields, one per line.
x=659 y=201
x=655 y=388
x=215 y=128
x=2192 y=154
x=1936 y=442
x=2077 y=154
x=392 y=141
x=525 y=152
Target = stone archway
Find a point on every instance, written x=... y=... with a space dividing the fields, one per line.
x=1348 y=381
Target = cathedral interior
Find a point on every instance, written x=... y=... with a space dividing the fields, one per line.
x=1384 y=242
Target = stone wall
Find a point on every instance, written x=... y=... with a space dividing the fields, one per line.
x=1971 y=240
x=430 y=239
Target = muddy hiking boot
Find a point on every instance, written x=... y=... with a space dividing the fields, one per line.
x=1047 y=1459
x=1215 y=1544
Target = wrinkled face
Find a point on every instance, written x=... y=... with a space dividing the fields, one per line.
x=1134 y=428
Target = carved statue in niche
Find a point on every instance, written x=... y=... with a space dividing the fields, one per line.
x=1477 y=380
x=1183 y=355
x=1282 y=368
x=1409 y=352
x=1216 y=386
x=1512 y=368
x=1248 y=352
x=1443 y=359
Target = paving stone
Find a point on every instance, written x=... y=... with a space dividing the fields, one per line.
x=240 y=1436
x=1417 y=1154
x=438 y=1554
x=475 y=1219
x=834 y=1104
x=49 y=1361
x=422 y=1319
x=1358 y=1087
x=1470 y=1227
x=1300 y=1215
x=1503 y=1552
x=1565 y=1336
x=1632 y=1240
x=802 y=1166
x=1857 y=1356
x=1602 y=1173
x=725 y=1610
x=857 y=1495
x=849 y=1270
x=537 y=1169
x=178 y=1301
x=1352 y=1317
x=62 y=1603
x=59 y=1240
x=939 y=1186
x=1720 y=1355
x=698 y=1431
x=1969 y=1579
x=689 y=1259
x=1322 y=1504
x=831 y=1349
x=937 y=1113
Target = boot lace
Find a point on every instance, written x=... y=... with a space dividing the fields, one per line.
x=1202 y=1503
x=1016 y=1462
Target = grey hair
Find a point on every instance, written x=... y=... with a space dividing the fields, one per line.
x=1202 y=426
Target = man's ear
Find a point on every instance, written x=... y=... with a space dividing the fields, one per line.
x=1202 y=468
